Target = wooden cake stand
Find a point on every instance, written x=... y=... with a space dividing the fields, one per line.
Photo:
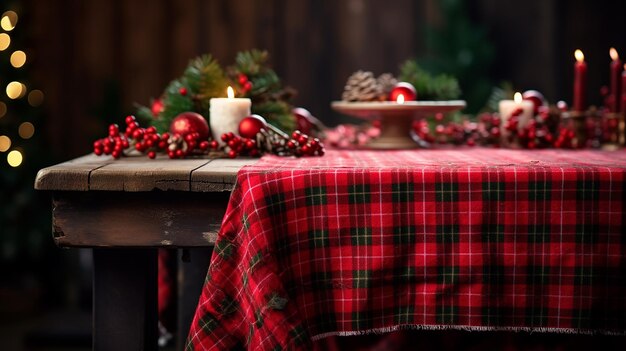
x=396 y=119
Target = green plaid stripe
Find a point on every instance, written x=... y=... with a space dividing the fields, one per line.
x=587 y=190
x=447 y=274
x=447 y=314
x=402 y=192
x=536 y=316
x=541 y=190
x=404 y=275
x=359 y=193
x=316 y=196
x=361 y=235
x=362 y=320
x=318 y=238
x=492 y=233
x=448 y=233
x=275 y=204
x=361 y=278
x=326 y=322
x=447 y=191
x=404 y=314
x=493 y=274
x=538 y=274
x=404 y=234
x=586 y=233
x=584 y=275
x=539 y=233
x=493 y=191
x=224 y=249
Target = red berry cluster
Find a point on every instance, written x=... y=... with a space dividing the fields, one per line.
x=114 y=144
x=244 y=83
x=239 y=145
x=149 y=141
x=303 y=145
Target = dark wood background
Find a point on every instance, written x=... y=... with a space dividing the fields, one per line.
x=94 y=59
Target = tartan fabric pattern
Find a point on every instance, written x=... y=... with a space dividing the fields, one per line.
x=359 y=241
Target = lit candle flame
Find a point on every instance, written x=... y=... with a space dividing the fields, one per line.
x=614 y=54
x=580 y=57
x=230 y=92
x=517 y=98
x=400 y=99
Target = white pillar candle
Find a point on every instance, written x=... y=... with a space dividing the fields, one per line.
x=226 y=113
x=506 y=109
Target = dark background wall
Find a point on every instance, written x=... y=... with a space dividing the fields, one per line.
x=94 y=59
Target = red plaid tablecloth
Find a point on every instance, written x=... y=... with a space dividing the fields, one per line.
x=357 y=242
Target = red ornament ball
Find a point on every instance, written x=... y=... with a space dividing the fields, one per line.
x=250 y=126
x=407 y=90
x=190 y=122
x=182 y=91
x=157 y=107
x=535 y=97
x=305 y=121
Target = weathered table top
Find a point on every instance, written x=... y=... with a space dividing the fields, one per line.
x=139 y=173
x=139 y=202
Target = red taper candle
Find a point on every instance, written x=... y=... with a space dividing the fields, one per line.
x=580 y=81
x=616 y=80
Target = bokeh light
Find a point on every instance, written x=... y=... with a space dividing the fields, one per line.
x=26 y=130
x=14 y=158
x=5 y=143
x=18 y=58
x=35 y=97
x=15 y=90
x=3 y=109
x=5 y=41
x=8 y=21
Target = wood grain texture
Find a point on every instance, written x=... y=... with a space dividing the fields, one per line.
x=70 y=175
x=138 y=173
x=131 y=219
x=219 y=175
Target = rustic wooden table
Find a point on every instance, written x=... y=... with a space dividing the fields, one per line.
x=125 y=210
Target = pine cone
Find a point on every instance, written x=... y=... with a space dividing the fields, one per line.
x=387 y=81
x=362 y=86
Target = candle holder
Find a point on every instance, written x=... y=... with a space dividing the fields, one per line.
x=613 y=130
x=396 y=119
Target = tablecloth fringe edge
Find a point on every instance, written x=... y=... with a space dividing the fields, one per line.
x=467 y=328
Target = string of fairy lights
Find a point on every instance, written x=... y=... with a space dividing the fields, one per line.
x=15 y=90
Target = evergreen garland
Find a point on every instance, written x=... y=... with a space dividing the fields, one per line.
x=428 y=86
x=204 y=79
x=269 y=98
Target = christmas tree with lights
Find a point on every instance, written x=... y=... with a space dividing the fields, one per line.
x=24 y=216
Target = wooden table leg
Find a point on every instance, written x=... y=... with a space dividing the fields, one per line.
x=125 y=299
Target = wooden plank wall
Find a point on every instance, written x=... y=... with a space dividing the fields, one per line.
x=83 y=50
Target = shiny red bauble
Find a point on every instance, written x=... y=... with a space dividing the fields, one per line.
x=157 y=107
x=190 y=122
x=407 y=90
x=304 y=120
x=535 y=97
x=250 y=126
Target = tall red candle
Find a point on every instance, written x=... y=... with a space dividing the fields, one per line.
x=616 y=86
x=580 y=81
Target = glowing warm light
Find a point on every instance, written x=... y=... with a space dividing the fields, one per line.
x=5 y=143
x=26 y=130
x=517 y=98
x=14 y=158
x=400 y=99
x=3 y=109
x=230 y=92
x=613 y=53
x=8 y=21
x=35 y=98
x=15 y=90
x=5 y=41
x=580 y=57
x=18 y=58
